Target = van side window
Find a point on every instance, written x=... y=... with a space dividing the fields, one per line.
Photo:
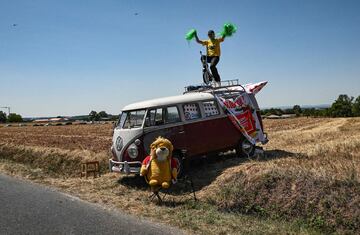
x=132 y=119
x=159 y=120
x=172 y=115
x=150 y=118
x=191 y=111
x=161 y=116
x=211 y=108
x=154 y=117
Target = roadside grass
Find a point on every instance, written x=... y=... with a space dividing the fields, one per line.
x=313 y=178
x=307 y=182
x=198 y=217
x=53 y=161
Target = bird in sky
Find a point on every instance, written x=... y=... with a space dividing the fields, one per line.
x=14 y=25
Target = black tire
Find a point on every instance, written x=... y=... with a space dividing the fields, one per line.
x=245 y=149
x=180 y=163
x=207 y=78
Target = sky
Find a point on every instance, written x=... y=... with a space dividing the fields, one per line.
x=70 y=57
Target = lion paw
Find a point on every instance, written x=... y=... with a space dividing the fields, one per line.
x=165 y=185
x=153 y=182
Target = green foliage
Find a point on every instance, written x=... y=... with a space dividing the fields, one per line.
x=94 y=116
x=356 y=107
x=342 y=106
x=309 y=112
x=297 y=110
x=103 y=114
x=13 y=117
x=272 y=111
x=2 y=117
x=288 y=111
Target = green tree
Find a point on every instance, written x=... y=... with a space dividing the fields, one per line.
x=309 y=112
x=2 y=117
x=103 y=114
x=13 y=117
x=342 y=106
x=356 y=107
x=324 y=112
x=277 y=111
x=288 y=111
x=92 y=115
x=297 y=110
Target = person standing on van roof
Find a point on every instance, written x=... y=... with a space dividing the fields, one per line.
x=213 y=51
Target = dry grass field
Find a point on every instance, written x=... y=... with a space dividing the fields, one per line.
x=95 y=138
x=307 y=182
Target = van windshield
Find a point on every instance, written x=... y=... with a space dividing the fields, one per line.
x=131 y=119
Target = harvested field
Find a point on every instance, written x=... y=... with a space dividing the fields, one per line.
x=307 y=182
x=311 y=172
x=94 y=138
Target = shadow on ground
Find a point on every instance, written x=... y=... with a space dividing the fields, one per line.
x=201 y=172
x=133 y=181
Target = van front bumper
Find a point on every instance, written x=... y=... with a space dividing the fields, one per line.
x=125 y=167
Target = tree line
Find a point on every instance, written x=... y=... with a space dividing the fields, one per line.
x=93 y=116
x=343 y=106
x=97 y=116
x=12 y=117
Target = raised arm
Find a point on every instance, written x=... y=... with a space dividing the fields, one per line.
x=198 y=40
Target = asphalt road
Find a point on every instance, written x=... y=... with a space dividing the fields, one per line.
x=27 y=208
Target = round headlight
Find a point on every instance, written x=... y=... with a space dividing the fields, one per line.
x=133 y=151
x=119 y=143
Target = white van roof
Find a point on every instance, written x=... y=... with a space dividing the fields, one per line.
x=186 y=98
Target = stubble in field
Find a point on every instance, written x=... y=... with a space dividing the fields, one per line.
x=310 y=172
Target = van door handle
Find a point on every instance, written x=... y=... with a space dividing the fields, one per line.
x=181 y=132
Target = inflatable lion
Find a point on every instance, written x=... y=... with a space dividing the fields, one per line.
x=159 y=168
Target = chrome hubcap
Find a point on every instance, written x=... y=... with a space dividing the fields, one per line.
x=246 y=147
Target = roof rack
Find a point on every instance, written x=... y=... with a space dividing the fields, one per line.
x=223 y=88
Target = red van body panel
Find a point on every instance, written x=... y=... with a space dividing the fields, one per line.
x=197 y=137
x=210 y=135
x=176 y=134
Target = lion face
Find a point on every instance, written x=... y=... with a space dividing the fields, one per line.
x=161 y=149
x=162 y=153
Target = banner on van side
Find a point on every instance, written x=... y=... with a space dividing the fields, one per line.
x=242 y=113
x=236 y=116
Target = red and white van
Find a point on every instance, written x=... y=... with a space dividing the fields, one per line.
x=201 y=121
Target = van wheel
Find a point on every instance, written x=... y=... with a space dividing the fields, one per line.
x=180 y=164
x=245 y=149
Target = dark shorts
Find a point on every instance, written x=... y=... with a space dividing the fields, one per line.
x=213 y=59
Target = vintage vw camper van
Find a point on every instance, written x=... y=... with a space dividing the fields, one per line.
x=196 y=122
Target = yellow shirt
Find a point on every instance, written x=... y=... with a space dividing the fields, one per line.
x=213 y=46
